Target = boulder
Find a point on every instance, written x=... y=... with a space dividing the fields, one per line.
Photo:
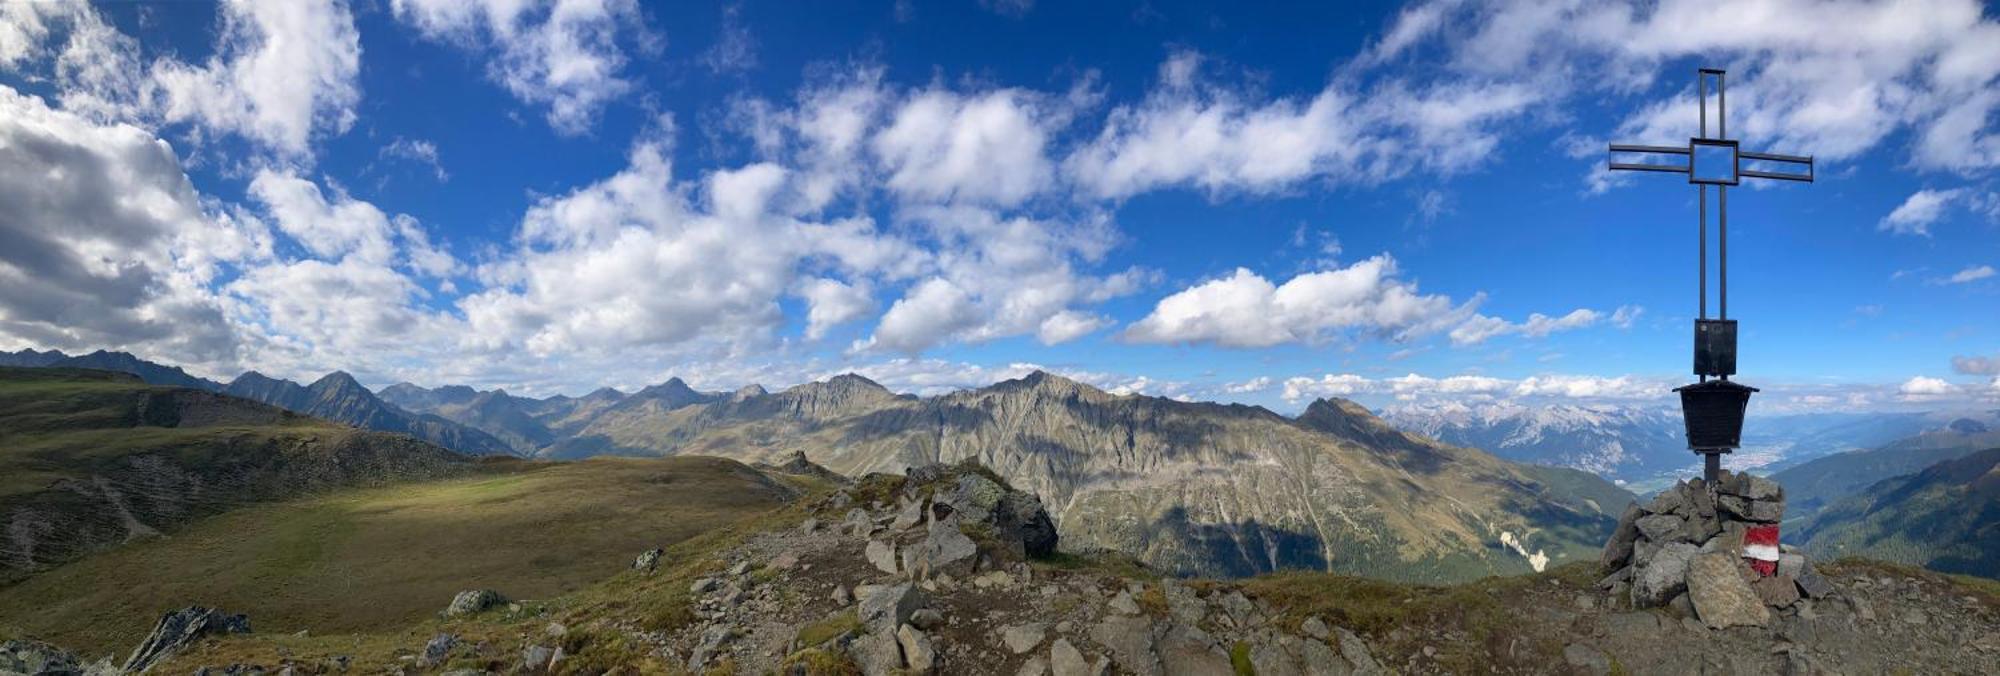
x=1663 y=528
x=1663 y=576
x=475 y=601
x=918 y=656
x=1777 y=591
x=1813 y=585
x=437 y=651
x=1618 y=550
x=178 y=629
x=1066 y=660
x=35 y=658
x=890 y=606
x=1021 y=638
x=712 y=640
x=1189 y=651
x=648 y=560
x=946 y=550
x=1130 y=640
x=1721 y=597
x=882 y=555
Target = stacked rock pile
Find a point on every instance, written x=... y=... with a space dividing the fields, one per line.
x=1711 y=552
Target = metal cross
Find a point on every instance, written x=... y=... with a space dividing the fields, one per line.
x=1714 y=411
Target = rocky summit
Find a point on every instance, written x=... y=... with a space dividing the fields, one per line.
x=949 y=570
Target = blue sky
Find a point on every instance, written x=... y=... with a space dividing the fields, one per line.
x=1237 y=202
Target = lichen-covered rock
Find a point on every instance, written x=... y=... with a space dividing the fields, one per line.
x=1663 y=576
x=1721 y=596
x=178 y=629
x=648 y=560
x=474 y=601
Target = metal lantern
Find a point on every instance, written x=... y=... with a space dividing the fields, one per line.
x=1713 y=409
x=1714 y=414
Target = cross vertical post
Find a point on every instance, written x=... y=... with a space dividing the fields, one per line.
x=1713 y=410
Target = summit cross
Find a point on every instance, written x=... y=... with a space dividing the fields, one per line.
x=1713 y=410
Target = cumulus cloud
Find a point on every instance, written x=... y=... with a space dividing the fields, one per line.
x=1925 y=386
x=107 y=242
x=282 y=72
x=1246 y=310
x=1365 y=299
x=567 y=54
x=281 y=75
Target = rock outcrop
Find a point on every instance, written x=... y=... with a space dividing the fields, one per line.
x=179 y=629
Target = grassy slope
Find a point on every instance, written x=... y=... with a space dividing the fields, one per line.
x=370 y=559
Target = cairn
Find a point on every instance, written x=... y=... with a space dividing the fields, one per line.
x=1710 y=552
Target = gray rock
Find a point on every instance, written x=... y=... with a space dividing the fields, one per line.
x=471 y=602
x=1123 y=603
x=1618 y=550
x=908 y=514
x=1314 y=627
x=918 y=655
x=882 y=555
x=945 y=551
x=1668 y=501
x=1777 y=591
x=1814 y=585
x=1721 y=597
x=438 y=650
x=890 y=606
x=1586 y=658
x=1663 y=576
x=1022 y=638
x=1663 y=528
x=1189 y=651
x=1130 y=640
x=178 y=629
x=712 y=640
x=1066 y=660
x=536 y=657
x=35 y=658
x=1761 y=489
x=648 y=560
x=1355 y=652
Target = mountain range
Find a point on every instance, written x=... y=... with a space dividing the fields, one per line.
x=337 y=397
x=1192 y=488
x=1645 y=447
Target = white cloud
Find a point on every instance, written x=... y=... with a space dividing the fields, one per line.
x=108 y=244
x=1479 y=328
x=1188 y=132
x=1257 y=384
x=282 y=72
x=567 y=54
x=941 y=147
x=1916 y=214
x=1246 y=310
x=1925 y=386
x=832 y=303
x=1971 y=274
